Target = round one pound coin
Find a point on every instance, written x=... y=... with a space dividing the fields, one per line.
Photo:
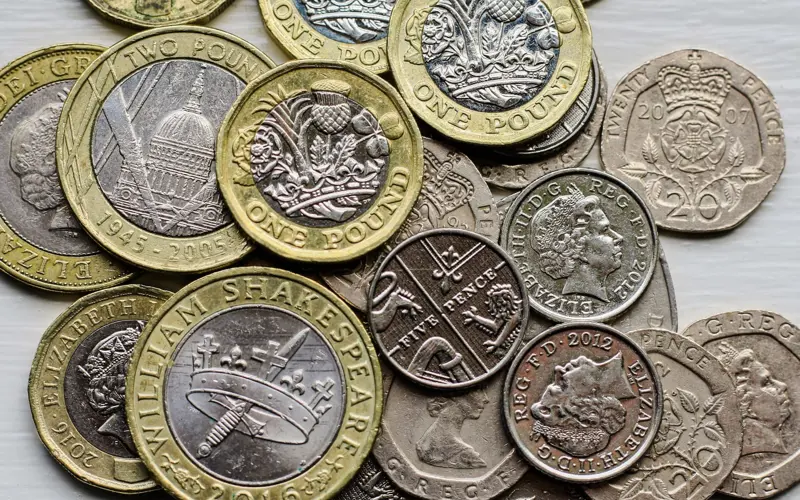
x=490 y=72
x=254 y=366
x=585 y=243
x=699 y=137
x=136 y=147
x=77 y=386
x=448 y=308
x=43 y=243
x=320 y=161
x=143 y=14
x=582 y=402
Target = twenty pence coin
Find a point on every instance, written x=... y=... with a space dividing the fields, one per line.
x=249 y=366
x=699 y=137
x=371 y=483
x=700 y=436
x=43 y=243
x=558 y=385
x=760 y=350
x=490 y=72
x=320 y=161
x=136 y=147
x=448 y=308
x=585 y=243
x=77 y=386
x=453 y=195
x=144 y=14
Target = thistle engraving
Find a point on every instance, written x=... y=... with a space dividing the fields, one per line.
x=349 y=21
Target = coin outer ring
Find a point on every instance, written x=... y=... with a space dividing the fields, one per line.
x=785 y=333
x=654 y=256
x=281 y=18
x=295 y=241
x=613 y=158
x=658 y=404
x=27 y=262
x=501 y=254
x=475 y=127
x=144 y=400
x=93 y=466
x=74 y=157
x=114 y=15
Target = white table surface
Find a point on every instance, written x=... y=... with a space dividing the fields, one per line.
x=753 y=267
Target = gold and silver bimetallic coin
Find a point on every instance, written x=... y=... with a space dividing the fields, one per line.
x=77 y=386
x=491 y=72
x=136 y=147
x=320 y=161
x=254 y=383
x=43 y=244
x=351 y=31
x=143 y=14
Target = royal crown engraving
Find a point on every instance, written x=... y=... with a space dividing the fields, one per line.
x=254 y=396
x=358 y=21
x=319 y=154
x=488 y=55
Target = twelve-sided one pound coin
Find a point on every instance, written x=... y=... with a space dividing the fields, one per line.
x=254 y=383
x=320 y=161
x=77 y=386
x=136 y=147
x=144 y=14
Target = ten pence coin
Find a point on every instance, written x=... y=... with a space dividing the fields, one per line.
x=490 y=72
x=136 y=147
x=320 y=161
x=453 y=195
x=700 y=436
x=448 y=308
x=585 y=243
x=254 y=366
x=143 y=14
x=582 y=402
x=698 y=137
x=43 y=243
x=761 y=352
x=77 y=386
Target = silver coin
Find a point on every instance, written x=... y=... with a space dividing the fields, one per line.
x=446 y=445
x=293 y=380
x=582 y=402
x=349 y=21
x=371 y=483
x=700 y=436
x=520 y=175
x=454 y=195
x=585 y=244
x=760 y=350
x=537 y=486
x=698 y=136
x=31 y=199
x=153 y=146
x=448 y=308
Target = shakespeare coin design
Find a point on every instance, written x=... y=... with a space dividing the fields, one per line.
x=582 y=402
x=77 y=386
x=448 y=308
x=143 y=14
x=320 y=161
x=136 y=147
x=760 y=352
x=453 y=195
x=261 y=366
x=584 y=242
x=698 y=136
x=44 y=245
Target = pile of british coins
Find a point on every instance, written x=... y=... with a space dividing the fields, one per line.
x=409 y=331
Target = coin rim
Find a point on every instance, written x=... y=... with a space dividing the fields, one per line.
x=530 y=456
x=515 y=272
x=113 y=16
x=654 y=254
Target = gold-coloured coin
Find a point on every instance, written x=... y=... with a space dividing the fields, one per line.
x=491 y=72
x=136 y=147
x=43 y=244
x=254 y=383
x=144 y=14
x=320 y=161
x=351 y=31
x=77 y=386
